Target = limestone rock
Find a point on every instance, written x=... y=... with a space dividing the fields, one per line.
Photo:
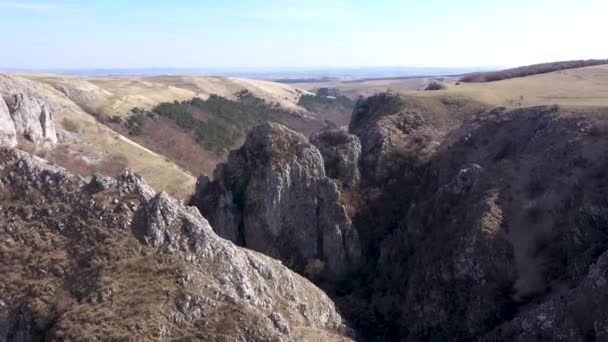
x=8 y=134
x=572 y=315
x=116 y=260
x=399 y=133
x=32 y=115
x=341 y=152
x=272 y=195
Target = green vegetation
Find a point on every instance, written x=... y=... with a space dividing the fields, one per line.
x=313 y=102
x=135 y=123
x=215 y=123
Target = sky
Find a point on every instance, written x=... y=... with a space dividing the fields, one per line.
x=68 y=34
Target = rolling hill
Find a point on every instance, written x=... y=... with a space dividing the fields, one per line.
x=95 y=117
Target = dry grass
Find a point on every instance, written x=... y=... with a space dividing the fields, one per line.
x=529 y=70
x=582 y=87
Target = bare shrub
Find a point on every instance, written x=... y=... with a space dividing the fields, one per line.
x=111 y=165
x=314 y=268
x=70 y=125
x=5 y=194
x=63 y=156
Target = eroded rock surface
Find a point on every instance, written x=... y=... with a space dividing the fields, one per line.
x=273 y=196
x=8 y=134
x=508 y=211
x=112 y=259
x=32 y=115
x=341 y=152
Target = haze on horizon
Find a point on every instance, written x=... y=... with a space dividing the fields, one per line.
x=68 y=34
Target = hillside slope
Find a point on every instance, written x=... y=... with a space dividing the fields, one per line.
x=118 y=95
x=529 y=70
x=95 y=116
x=573 y=87
x=113 y=260
x=86 y=146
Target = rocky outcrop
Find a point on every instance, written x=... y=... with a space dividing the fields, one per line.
x=341 y=152
x=33 y=119
x=32 y=115
x=569 y=315
x=273 y=196
x=8 y=134
x=112 y=259
x=399 y=133
x=508 y=213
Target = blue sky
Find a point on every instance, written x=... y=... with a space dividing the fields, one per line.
x=298 y=33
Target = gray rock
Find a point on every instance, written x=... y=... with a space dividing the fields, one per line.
x=33 y=116
x=170 y=268
x=272 y=195
x=570 y=315
x=279 y=322
x=465 y=179
x=100 y=183
x=341 y=152
x=8 y=134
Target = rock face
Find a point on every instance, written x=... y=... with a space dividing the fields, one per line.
x=507 y=213
x=8 y=134
x=341 y=152
x=32 y=115
x=272 y=195
x=112 y=259
x=400 y=133
x=573 y=315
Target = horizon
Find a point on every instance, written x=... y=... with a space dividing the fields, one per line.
x=296 y=34
x=284 y=73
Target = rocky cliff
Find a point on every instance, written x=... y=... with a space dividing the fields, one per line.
x=112 y=259
x=474 y=222
x=501 y=211
x=273 y=196
x=31 y=116
x=8 y=133
x=341 y=152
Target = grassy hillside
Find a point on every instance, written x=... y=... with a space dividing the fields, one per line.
x=87 y=146
x=581 y=87
x=198 y=133
x=183 y=125
x=529 y=70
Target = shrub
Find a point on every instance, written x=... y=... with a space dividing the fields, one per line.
x=70 y=125
x=312 y=102
x=219 y=131
x=5 y=194
x=314 y=268
x=435 y=86
x=117 y=119
x=135 y=124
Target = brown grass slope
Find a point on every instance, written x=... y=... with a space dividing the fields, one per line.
x=112 y=260
x=529 y=70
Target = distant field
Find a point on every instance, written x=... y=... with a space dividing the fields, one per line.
x=354 y=89
x=586 y=87
x=529 y=70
